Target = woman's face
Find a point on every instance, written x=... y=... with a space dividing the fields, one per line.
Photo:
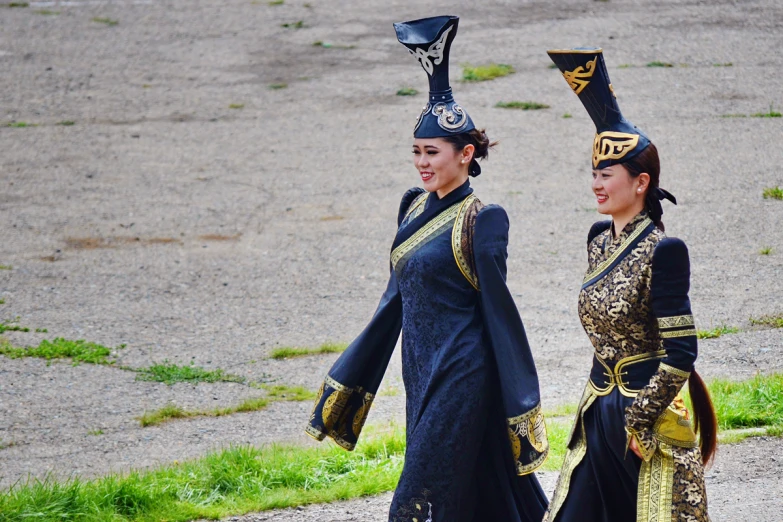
x=616 y=192
x=441 y=167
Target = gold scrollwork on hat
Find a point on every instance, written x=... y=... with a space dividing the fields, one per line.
x=420 y=117
x=611 y=145
x=450 y=120
x=580 y=77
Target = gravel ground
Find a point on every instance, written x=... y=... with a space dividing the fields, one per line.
x=193 y=232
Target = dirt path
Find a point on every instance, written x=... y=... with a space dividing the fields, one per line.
x=191 y=231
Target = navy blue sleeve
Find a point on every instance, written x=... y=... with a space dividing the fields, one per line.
x=671 y=272
x=597 y=228
x=405 y=204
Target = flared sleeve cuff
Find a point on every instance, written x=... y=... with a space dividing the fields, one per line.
x=529 y=442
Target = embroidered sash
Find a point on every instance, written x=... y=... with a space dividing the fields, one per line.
x=640 y=232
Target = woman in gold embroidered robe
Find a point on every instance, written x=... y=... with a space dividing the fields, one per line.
x=475 y=431
x=633 y=453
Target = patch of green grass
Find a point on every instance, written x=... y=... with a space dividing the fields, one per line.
x=765 y=251
x=624 y=66
x=717 y=332
x=562 y=410
x=2 y=301
x=95 y=432
x=4 y=444
x=329 y=45
x=726 y=64
x=567 y=115
x=750 y=403
x=173 y=373
x=557 y=433
x=106 y=21
x=232 y=481
x=11 y=326
x=46 y=12
x=236 y=106
x=276 y=86
x=18 y=4
x=657 y=63
x=168 y=412
x=525 y=106
x=281 y=392
x=482 y=73
x=773 y=193
x=79 y=351
x=276 y=2
x=407 y=91
x=771 y=114
x=6 y=267
x=20 y=124
x=41 y=330
x=775 y=321
x=288 y=352
x=66 y=123
x=299 y=24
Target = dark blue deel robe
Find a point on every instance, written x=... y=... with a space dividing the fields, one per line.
x=475 y=432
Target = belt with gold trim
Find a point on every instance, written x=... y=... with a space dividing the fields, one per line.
x=629 y=374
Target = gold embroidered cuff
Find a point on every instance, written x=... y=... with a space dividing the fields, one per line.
x=529 y=442
x=676 y=326
x=644 y=441
x=339 y=412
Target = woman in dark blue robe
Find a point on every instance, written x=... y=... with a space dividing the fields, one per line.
x=475 y=431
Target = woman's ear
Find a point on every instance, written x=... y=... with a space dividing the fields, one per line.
x=643 y=181
x=467 y=153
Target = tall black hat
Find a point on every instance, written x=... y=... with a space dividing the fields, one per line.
x=429 y=40
x=616 y=140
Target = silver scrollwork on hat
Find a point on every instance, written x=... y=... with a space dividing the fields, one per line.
x=435 y=51
x=450 y=120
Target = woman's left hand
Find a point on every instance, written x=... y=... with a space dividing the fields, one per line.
x=634 y=446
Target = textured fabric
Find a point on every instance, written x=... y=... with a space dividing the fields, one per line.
x=460 y=462
x=638 y=307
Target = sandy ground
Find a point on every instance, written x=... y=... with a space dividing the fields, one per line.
x=194 y=232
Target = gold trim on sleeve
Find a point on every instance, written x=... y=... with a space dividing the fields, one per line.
x=677 y=333
x=674 y=371
x=674 y=321
x=456 y=242
x=529 y=426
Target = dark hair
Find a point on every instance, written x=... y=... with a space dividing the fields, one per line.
x=647 y=161
x=705 y=422
x=476 y=137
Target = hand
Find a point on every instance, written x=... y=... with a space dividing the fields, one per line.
x=634 y=446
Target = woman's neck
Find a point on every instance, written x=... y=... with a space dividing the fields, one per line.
x=455 y=184
x=621 y=219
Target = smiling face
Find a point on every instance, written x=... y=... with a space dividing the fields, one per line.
x=441 y=167
x=617 y=192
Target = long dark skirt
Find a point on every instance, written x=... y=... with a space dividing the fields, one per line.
x=469 y=477
x=603 y=486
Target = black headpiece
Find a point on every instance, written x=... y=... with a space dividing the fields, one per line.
x=616 y=139
x=429 y=40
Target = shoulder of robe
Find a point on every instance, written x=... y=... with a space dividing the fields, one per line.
x=405 y=204
x=597 y=228
x=671 y=255
x=491 y=223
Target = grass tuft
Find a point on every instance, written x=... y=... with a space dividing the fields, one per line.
x=525 y=106
x=624 y=66
x=18 y=4
x=66 y=123
x=771 y=114
x=407 y=91
x=236 y=106
x=288 y=352
x=105 y=21
x=775 y=321
x=567 y=115
x=79 y=351
x=659 y=64
x=299 y=24
x=482 y=73
x=726 y=64
x=168 y=412
x=277 y=86
x=6 y=267
x=11 y=326
x=95 y=432
x=751 y=403
x=173 y=373
x=773 y=193
x=717 y=332
x=765 y=251
x=276 y=2
x=20 y=124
